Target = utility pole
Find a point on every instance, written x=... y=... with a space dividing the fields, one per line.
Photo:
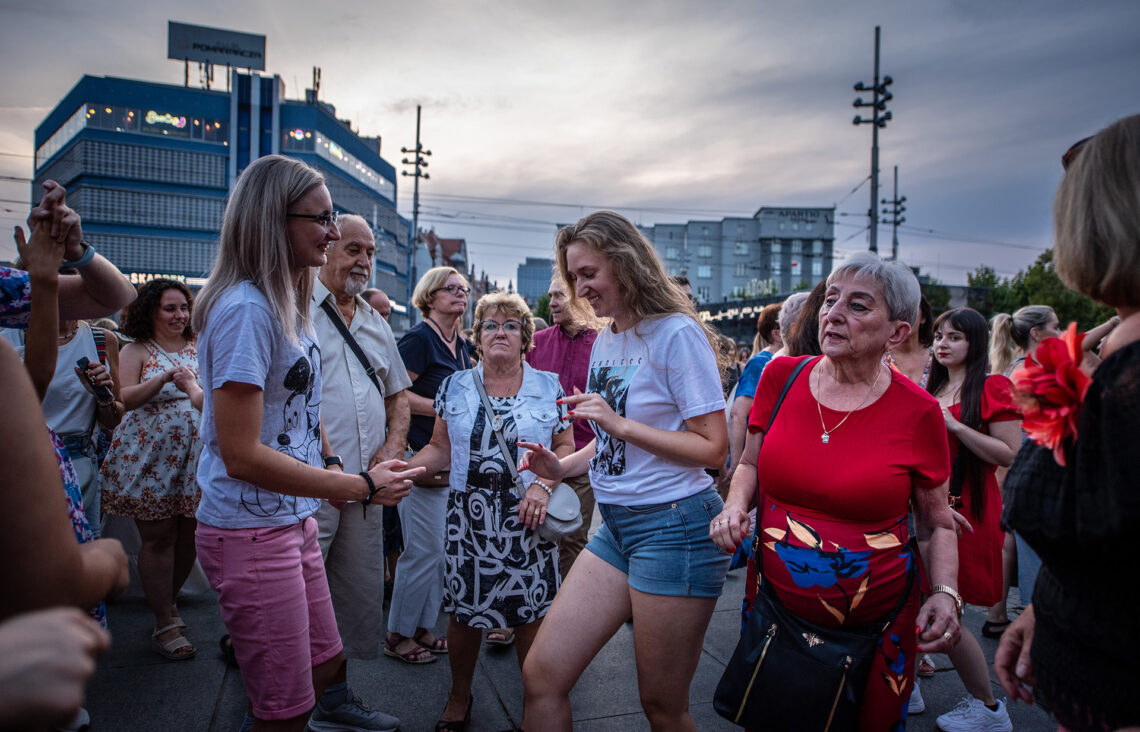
x=418 y=164
x=879 y=116
x=895 y=212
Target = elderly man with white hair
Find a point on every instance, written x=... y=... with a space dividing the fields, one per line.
x=365 y=414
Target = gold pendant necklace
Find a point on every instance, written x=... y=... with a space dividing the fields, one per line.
x=826 y=436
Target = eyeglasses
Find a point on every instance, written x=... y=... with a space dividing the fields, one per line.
x=511 y=326
x=454 y=289
x=326 y=219
x=1071 y=153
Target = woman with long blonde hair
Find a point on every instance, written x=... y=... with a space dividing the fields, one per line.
x=263 y=467
x=655 y=403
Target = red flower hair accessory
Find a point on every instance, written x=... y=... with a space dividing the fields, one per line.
x=1050 y=389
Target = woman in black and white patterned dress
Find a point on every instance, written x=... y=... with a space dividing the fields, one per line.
x=499 y=574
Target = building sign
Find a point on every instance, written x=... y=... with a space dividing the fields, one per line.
x=164 y=123
x=214 y=45
x=141 y=278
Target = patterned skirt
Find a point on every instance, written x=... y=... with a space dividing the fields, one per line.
x=498 y=573
x=151 y=466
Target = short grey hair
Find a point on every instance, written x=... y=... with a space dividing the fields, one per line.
x=896 y=280
x=790 y=313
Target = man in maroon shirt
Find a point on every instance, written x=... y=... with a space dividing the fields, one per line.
x=564 y=349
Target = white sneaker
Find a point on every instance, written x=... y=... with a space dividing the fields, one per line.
x=916 y=705
x=971 y=715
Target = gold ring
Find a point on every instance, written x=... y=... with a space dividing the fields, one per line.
x=948 y=635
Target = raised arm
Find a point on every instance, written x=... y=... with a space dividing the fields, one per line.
x=41 y=255
x=58 y=571
x=99 y=289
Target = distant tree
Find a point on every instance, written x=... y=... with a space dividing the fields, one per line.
x=542 y=308
x=802 y=286
x=1037 y=285
x=937 y=294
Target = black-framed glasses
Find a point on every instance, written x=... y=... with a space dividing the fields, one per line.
x=326 y=219
x=511 y=326
x=454 y=290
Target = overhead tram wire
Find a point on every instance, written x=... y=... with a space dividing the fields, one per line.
x=592 y=206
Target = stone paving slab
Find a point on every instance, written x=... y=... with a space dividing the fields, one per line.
x=136 y=690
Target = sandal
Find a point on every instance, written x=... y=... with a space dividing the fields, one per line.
x=437 y=645
x=416 y=655
x=925 y=667
x=170 y=647
x=457 y=725
x=506 y=636
x=176 y=617
x=994 y=630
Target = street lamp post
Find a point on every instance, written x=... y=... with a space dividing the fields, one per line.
x=418 y=164
x=879 y=117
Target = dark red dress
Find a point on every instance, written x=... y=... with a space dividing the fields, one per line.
x=833 y=516
x=979 y=553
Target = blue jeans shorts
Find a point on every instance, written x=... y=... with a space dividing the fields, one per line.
x=665 y=548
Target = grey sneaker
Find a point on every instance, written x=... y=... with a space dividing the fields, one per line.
x=971 y=715
x=916 y=705
x=352 y=716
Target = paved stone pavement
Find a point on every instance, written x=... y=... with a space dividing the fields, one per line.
x=136 y=690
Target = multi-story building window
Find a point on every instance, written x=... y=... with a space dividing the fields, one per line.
x=703 y=294
x=740 y=269
x=704 y=272
x=741 y=248
x=670 y=252
x=704 y=251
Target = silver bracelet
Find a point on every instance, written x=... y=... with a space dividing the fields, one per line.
x=544 y=486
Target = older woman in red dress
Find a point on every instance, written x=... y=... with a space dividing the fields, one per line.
x=852 y=445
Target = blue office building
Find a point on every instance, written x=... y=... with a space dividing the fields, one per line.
x=148 y=167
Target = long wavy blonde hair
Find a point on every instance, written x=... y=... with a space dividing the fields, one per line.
x=645 y=286
x=254 y=244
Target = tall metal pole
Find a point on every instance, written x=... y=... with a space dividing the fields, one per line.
x=878 y=104
x=873 y=212
x=896 y=210
x=418 y=164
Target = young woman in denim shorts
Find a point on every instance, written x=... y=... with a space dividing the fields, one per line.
x=655 y=403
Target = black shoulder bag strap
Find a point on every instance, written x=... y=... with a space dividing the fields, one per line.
x=772 y=418
x=334 y=316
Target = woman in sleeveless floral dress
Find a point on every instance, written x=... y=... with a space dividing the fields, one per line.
x=149 y=473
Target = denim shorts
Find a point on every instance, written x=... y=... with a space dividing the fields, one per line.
x=665 y=548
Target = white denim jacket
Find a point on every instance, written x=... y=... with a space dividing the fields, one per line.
x=535 y=413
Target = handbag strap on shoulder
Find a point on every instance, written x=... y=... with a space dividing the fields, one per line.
x=337 y=321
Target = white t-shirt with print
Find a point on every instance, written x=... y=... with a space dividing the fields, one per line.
x=659 y=373
x=243 y=342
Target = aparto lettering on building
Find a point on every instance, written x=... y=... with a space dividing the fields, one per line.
x=214 y=45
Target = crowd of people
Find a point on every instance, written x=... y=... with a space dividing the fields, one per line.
x=853 y=457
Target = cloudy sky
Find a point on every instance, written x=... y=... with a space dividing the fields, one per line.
x=663 y=110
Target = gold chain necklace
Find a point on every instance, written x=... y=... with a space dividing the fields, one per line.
x=826 y=436
x=74 y=330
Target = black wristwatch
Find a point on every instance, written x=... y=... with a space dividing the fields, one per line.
x=332 y=460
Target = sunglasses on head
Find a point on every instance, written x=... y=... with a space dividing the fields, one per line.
x=1071 y=153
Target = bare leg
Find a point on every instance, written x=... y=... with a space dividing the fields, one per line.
x=588 y=609
x=668 y=633
x=997 y=613
x=970 y=663
x=524 y=639
x=184 y=552
x=156 y=571
x=463 y=652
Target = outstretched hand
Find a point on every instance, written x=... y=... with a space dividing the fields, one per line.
x=540 y=460
x=393 y=482
x=61 y=221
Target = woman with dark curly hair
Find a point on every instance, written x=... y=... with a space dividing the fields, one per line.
x=149 y=473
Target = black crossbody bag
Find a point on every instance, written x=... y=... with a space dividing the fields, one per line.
x=790 y=674
x=337 y=321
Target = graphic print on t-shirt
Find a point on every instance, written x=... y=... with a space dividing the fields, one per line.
x=612 y=382
x=301 y=429
x=487 y=467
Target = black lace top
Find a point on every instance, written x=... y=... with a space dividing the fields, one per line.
x=1084 y=521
